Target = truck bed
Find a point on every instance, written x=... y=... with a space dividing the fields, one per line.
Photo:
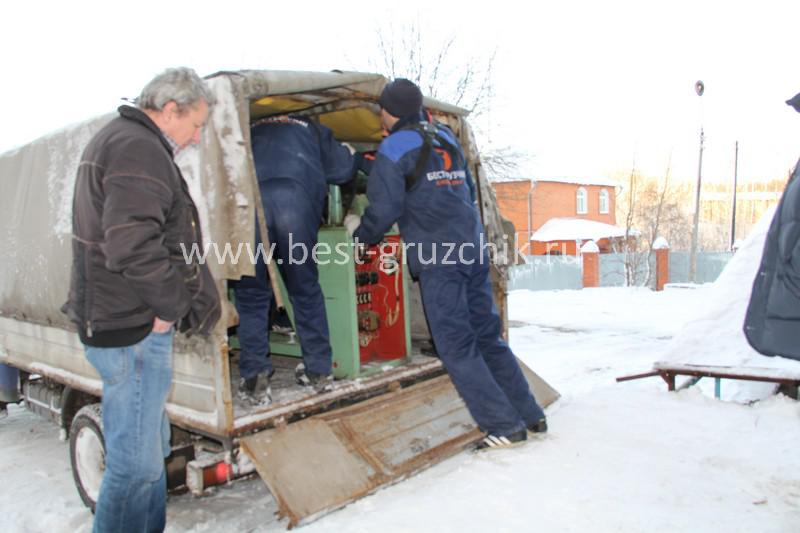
x=291 y=402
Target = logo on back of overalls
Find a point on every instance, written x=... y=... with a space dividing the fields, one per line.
x=446 y=159
x=447 y=177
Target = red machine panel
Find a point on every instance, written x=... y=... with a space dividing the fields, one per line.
x=380 y=304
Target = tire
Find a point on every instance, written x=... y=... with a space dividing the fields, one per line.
x=87 y=453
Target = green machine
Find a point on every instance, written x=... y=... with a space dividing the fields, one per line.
x=365 y=300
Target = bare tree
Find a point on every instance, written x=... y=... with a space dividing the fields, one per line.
x=630 y=244
x=654 y=208
x=442 y=72
x=655 y=222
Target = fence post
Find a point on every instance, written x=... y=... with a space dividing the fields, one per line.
x=591 y=264
x=661 y=246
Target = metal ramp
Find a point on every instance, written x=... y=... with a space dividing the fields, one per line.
x=327 y=461
x=322 y=463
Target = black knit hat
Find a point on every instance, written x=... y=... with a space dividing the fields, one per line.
x=794 y=102
x=401 y=98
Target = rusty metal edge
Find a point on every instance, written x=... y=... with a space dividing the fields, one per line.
x=283 y=508
x=364 y=390
x=433 y=456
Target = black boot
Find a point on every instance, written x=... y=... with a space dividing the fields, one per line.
x=538 y=427
x=319 y=382
x=256 y=390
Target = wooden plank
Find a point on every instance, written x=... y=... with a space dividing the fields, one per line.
x=544 y=393
x=307 y=468
x=308 y=402
x=732 y=372
x=650 y=374
x=322 y=463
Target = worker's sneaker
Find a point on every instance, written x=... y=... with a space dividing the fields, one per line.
x=256 y=390
x=538 y=427
x=319 y=382
x=281 y=329
x=3 y=410
x=491 y=442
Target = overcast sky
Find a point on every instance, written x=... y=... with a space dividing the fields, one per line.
x=584 y=87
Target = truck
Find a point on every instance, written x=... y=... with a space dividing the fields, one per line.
x=392 y=410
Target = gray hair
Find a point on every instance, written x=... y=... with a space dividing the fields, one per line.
x=181 y=85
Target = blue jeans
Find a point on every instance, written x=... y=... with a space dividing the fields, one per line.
x=467 y=332
x=136 y=382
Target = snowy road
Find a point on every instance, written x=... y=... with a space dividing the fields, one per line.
x=620 y=457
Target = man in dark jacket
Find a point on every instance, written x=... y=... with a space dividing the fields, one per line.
x=427 y=190
x=131 y=286
x=295 y=161
x=772 y=322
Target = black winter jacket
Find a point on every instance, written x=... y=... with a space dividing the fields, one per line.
x=131 y=212
x=772 y=322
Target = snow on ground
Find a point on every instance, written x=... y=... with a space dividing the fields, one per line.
x=721 y=319
x=622 y=457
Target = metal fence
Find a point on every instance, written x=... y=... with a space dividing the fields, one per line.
x=709 y=266
x=541 y=272
x=612 y=269
x=546 y=272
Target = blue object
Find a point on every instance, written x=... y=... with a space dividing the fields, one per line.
x=292 y=148
x=467 y=331
x=253 y=298
x=295 y=161
x=9 y=384
x=293 y=226
x=437 y=209
x=438 y=217
x=772 y=320
x=136 y=382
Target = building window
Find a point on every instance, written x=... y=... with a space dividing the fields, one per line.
x=604 y=201
x=582 y=201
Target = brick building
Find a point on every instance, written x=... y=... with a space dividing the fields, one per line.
x=568 y=211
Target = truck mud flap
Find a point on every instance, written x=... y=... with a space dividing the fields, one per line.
x=327 y=461
x=323 y=463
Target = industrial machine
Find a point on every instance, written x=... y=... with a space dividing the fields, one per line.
x=391 y=414
x=365 y=298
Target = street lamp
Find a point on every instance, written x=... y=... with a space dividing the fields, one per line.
x=699 y=88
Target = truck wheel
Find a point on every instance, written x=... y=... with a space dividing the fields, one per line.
x=87 y=453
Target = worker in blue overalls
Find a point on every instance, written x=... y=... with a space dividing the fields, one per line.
x=420 y=180
x=295 y=160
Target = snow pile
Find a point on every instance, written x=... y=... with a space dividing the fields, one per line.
x=573 y=229
x=716 y=338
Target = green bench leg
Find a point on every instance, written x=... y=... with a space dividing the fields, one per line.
x=717 y=388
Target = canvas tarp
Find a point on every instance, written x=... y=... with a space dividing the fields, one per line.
x=38 y=181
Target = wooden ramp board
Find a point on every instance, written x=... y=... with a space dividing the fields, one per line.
x=325 y=462
x=542 y=391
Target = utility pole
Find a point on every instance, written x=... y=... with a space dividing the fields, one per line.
x=733 y=209
x=699 y=88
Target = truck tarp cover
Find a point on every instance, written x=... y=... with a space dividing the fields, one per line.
x=38 y=181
